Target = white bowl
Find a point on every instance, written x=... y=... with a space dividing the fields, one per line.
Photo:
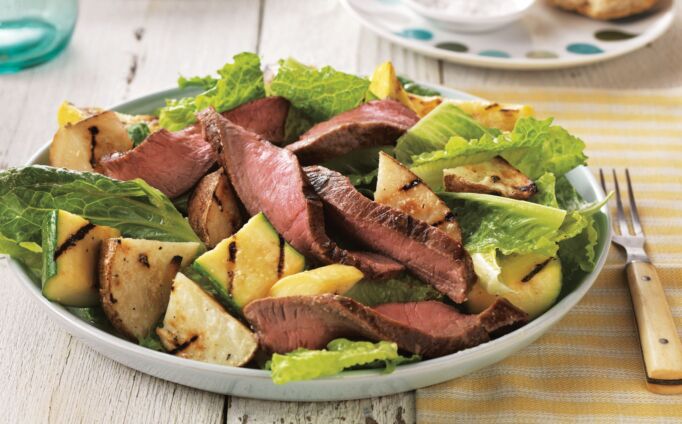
x=458 y=22
x=348 y=385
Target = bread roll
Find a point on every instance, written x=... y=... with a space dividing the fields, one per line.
x=606 y=9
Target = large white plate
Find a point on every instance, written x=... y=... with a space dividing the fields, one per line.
x=349 y=385
x=545 y=38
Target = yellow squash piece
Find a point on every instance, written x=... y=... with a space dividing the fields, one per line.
x=385 y=85
x=334 y=279
x=494 y=115
x=71 y=246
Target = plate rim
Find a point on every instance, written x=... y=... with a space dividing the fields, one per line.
x=531 y=331
x=512 y=63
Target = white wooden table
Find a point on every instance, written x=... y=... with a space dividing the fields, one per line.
x=126 y=48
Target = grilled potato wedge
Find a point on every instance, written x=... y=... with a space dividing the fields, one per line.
x=135 y=281
x=213 y=211
x=494 y=115
x=197 y=327
x=80 y=146
x=334 y=279
x=71 y=246
x=401 y=189
x=495 y=176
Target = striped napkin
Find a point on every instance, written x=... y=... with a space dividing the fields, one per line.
x=588 y=368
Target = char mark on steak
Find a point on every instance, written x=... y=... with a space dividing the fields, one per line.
x=430 y=328
x=376 y=123
x=269 y=179
x=428 y=252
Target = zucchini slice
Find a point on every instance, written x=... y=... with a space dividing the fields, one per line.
x=197 y=327
x=135 y=281
x=71 y=246
x=244 y=266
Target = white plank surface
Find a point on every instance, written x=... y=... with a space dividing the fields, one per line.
x=49 y=376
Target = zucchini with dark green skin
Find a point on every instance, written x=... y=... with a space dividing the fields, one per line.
x=71 y=247
x=244 y=266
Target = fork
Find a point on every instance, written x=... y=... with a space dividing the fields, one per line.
x=661 y=346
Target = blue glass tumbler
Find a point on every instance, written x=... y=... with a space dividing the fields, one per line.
x=34 y=31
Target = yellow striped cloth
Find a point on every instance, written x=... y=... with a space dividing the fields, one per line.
x=588 y=368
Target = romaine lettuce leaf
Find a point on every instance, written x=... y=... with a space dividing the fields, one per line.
x=534 y=147
x=28 y=254
x=546 y=194
x=136 y=209
x=433 y=131
x=320 y=94
x=239 y=82
x=404 y=288
x=304 y=364
x=508 y=225
x=138 y=133
x=360 y=166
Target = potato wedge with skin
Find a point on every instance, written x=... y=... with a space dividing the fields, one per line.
x=422 y=105
x=135 y=281
x=496 y=176
x=213 y=211
x=81 y=146
x=401 y=189
x=334 y=279
x=197 y=327
x=494 y=115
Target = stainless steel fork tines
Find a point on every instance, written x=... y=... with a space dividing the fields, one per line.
x=630 y=240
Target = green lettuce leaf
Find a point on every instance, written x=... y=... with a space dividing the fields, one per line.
x=546 y=194
x=136 y=209
x=534 y=147
x=138 y=132
x=508 y=225
x=360 y=166
x=28 y=254
x=239 y=82
x=578 y=253
x=304 y=364
x=433 y=131
x=320 y=94
x=404 y=288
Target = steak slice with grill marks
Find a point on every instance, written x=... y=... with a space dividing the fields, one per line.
x=269 y=179
x=430 y=329
x=428 y=252
x=376 y=123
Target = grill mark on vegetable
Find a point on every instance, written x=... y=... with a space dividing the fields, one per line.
x=449 y=217
x=536 y=269
x=280 y=260
x=491 y=105
x=143 y=259
x=495 y=178
x=231 y=258
x=412 y=184
x=183 y=346
x=93 y=143
x=73 y=239
x=176 y=260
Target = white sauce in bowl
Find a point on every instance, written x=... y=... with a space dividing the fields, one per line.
x=474 y=8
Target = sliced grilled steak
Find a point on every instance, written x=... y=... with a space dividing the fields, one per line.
x=269 y=179
x=441 y=320
x=425 y=250
x=169 y=161
x=285 y=324
x=266 y=117
x=376 y=123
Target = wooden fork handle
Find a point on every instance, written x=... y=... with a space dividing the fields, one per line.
x=661 y=346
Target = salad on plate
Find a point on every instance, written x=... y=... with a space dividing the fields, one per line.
x=306 y=221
